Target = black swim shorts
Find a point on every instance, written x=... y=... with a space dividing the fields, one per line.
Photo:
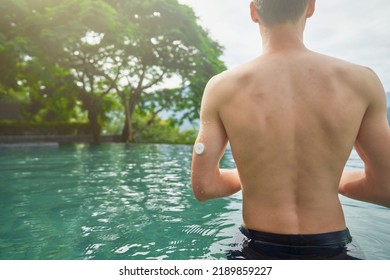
x=255 y=245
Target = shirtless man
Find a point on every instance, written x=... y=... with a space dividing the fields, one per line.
x=292 y=117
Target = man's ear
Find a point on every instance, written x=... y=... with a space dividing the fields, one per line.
x=254 y=15
x=310 y=8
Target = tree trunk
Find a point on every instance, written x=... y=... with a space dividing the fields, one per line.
x=91 y=104
x=94 y=123
x=127 y=128
x=130 y=106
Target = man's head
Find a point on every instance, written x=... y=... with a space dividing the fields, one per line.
x=274 y=12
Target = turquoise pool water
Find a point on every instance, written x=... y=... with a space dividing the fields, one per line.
x=130 y=202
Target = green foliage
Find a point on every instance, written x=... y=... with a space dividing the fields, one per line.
x=87 y=59
x=162 y=131
x=13 y=128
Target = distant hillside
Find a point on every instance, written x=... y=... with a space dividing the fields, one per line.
x=388 y=115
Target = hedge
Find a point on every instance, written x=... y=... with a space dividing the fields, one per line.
x=15 y=128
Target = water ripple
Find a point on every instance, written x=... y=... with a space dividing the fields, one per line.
x=130 y=202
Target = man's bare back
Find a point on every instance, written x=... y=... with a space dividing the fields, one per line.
x=291 y=120
x=292 y=117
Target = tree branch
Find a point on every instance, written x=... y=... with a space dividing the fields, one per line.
x=155 y=81
x=113 y=82
x=150 y=121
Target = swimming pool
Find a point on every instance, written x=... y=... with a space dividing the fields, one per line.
x=130 y=203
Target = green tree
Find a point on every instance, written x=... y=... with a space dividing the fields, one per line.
x=80 y=36
x=27 y=73
x=162 y=58
x=148 y=55
x=14 y=47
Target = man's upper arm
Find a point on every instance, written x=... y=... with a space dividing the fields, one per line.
x=205 y=167
x=373 y=145
x=373 y=141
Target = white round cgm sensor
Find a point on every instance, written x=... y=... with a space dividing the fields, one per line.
x=199 y=149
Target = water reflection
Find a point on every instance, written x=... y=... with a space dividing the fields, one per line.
x=128 y=202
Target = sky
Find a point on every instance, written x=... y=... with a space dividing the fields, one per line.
x=353 y=30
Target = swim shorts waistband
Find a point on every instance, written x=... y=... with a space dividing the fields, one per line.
x=323 y=239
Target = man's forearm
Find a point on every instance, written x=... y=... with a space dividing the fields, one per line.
x=223 y=183
x=357 y=185
x=230 y=182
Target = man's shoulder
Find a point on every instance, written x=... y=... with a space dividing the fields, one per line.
x=222 y=87
x=363 y=79
x=351 y=72
x=233 y=76
x=342 y=64
x=224 y=81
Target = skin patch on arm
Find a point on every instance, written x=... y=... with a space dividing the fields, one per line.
x=199 y=149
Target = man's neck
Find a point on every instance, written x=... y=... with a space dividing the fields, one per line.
x=287 y=37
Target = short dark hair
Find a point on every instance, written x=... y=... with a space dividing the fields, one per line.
x=273 y=12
